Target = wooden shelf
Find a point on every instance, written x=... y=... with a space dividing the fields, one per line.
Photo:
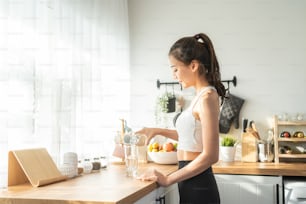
x=292 y=123
x=280 y=139
x=291 y=142
x=298 y=156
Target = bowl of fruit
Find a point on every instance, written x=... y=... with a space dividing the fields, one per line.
x=163 y=153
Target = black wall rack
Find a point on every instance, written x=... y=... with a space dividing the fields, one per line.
x=233 y=81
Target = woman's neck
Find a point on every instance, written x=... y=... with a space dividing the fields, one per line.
x=200 y=87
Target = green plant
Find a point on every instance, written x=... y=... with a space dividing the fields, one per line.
x=166 y=102
x=228 y=141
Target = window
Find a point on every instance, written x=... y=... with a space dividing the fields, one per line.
x=64 y=77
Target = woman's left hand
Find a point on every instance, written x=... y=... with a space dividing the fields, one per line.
x=154 y=175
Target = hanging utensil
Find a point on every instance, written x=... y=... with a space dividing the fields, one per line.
x=244 y=124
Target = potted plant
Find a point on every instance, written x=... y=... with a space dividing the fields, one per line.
x=228 y=148
x=166 y=102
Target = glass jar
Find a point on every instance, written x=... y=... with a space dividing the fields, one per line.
x=96 y=164
x=80 y=167
x=104 y=162
x=87 y=166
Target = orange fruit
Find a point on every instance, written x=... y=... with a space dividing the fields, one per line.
x=168 y=147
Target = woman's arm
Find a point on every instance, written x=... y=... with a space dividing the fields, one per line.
x=152 y=132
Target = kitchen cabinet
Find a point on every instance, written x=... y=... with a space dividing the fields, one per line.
x=161 y=195
x=149 y=198
x=294 y=190
x=289 y=148
x=241 y=189
x=170 y=194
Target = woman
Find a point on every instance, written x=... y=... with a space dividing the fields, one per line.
x=194 y=64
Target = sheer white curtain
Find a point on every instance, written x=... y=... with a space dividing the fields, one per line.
x=64 y=75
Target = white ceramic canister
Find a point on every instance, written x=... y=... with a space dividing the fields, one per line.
x=71 y=158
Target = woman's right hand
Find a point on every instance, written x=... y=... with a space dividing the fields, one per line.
x=148 y=132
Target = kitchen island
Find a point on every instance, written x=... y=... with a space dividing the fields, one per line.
x=112 y=185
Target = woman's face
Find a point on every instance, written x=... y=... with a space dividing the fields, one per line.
x=181 y=72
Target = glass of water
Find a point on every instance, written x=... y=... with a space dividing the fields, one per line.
x=131 y=159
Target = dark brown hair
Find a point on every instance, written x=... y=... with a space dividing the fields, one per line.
x=200 y=48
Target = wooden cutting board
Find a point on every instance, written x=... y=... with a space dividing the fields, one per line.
x=32 y=165
x=249 y=151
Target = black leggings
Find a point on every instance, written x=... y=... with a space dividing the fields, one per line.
x=201 y=189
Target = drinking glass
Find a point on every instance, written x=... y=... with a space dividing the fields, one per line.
x=131 y=159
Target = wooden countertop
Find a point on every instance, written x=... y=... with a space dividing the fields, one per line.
x=112 y=186
x=107 y=186
x=259 y=168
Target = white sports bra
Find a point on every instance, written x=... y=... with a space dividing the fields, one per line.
x=189 y=129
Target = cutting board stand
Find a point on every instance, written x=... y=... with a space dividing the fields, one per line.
x=33 y=166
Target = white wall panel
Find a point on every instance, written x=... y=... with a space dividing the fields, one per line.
x=261 y=42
